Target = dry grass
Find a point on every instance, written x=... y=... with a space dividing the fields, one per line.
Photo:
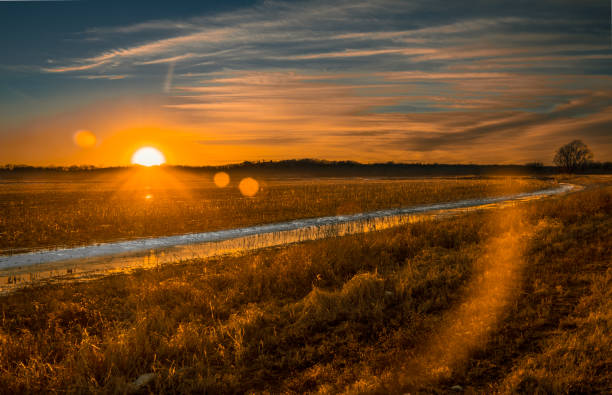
x=49 y=213
x=347 y=314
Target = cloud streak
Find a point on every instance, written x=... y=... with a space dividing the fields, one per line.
x=312 y=31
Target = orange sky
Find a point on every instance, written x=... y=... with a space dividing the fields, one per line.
x=265 y=81
x=262 y=116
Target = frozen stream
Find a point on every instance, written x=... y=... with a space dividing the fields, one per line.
x=81 y=262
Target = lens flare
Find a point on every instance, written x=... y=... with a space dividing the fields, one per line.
x=221 y=179
x=84 y=139
x=248 y=186
x=148 y=156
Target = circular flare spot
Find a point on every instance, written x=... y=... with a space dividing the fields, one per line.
x=148 y=156
x=248 y=186
x=221 y=179
x=84 y=139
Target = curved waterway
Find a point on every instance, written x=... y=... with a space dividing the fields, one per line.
x=92 y=260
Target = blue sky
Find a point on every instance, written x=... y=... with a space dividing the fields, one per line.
x=429 y=81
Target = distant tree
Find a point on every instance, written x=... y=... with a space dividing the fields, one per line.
x=573 y=156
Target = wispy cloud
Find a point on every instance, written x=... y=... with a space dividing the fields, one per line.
x=148 y=26
x=273 y=140
x=360 y=53
x=103 y=77
x=171 y=59
x=67 y=69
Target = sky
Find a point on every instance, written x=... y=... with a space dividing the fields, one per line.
x=211 y=83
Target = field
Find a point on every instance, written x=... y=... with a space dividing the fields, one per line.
x=513 y=300
x=47 y=212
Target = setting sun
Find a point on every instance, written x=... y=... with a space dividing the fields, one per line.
x=148 y=156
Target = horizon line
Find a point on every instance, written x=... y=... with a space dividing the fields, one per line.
x=538 y=164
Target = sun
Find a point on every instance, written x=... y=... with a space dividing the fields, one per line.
x=148 y=156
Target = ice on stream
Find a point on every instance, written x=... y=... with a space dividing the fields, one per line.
x=81 y=262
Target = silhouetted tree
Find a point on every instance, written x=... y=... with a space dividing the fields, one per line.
x=573 y=156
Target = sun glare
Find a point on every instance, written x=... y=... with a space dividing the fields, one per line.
x=221 y=179
x=84 y=139
x=148 y=156
x=248 y=186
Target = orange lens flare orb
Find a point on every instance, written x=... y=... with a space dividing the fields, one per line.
x=84 y=139
x=221 y=179
x=148 y=156
x=248 y=186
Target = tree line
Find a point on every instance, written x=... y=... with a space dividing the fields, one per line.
x=570 y=158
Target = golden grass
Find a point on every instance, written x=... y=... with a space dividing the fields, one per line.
x=51 y=214
x=349 y=314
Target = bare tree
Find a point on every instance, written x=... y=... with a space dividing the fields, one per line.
x=573 y=156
